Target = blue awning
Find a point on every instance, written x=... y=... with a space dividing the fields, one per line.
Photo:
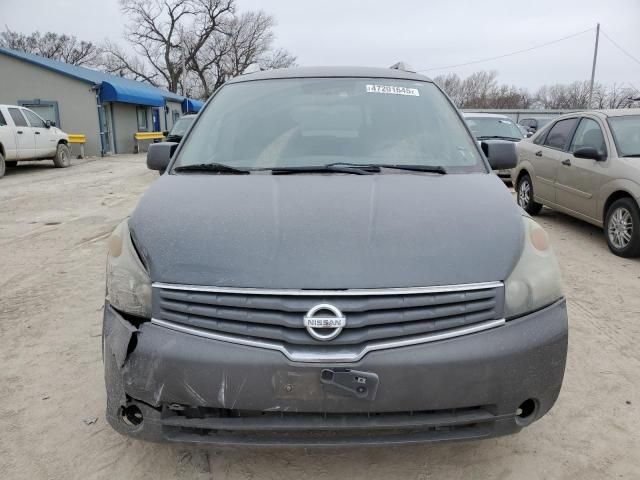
x=189 y=105
x=130 y=93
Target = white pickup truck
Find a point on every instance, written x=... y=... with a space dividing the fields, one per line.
x=26 y=136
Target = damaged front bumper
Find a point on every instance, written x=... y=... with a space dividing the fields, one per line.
x=164 y=385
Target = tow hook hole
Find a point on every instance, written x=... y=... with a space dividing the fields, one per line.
x=131 y=415
x=526 y=411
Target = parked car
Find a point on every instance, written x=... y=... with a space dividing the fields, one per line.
x=24 y=135
x=587 y=165
x=486 y=126
x=320 y=264
x=534 y=124
x=180 y=128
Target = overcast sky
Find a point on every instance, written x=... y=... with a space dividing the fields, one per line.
x=425 y=34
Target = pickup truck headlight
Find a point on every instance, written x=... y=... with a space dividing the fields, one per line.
x=535 y=281
x=128 y=283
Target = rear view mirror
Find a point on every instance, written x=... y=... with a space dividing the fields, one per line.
x=159 y=155
x=588 y=152
x=501 y=154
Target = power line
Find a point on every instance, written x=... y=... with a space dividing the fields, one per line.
x=507 y=54
x=620 y=48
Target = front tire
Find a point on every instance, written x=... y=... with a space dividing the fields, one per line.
x=63 y=156
x=622 y=228
x=525 y=196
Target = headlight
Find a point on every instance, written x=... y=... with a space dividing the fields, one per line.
x=128 y=283
x=535 y=282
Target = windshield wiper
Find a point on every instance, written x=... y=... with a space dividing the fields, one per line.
x=498 y=137
x=330 y=168
x=375 y=167
x=212 y=168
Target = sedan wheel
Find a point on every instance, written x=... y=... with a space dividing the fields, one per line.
x=525 y=196
x=622 y=228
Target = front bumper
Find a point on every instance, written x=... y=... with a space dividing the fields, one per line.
x=190 y=389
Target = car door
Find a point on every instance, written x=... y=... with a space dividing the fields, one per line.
x=25 y=136
x=548 y=153
x=579 y=178
x=8 y=138
x=45 y=140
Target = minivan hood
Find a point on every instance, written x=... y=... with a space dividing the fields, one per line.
x=328 y=231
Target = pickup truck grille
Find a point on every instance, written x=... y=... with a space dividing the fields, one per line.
x=371 y=315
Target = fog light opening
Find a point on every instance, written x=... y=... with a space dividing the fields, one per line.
x=132 y=416
x=525 y=413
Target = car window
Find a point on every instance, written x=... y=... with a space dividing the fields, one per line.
x=34 y=119
x=489 y=127
x=560 y=133
x=316 y=121
x=17 y=117
x=3 y=122
x=588 y=134
x=626 y=134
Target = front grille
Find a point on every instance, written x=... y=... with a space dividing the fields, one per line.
x=371 y=315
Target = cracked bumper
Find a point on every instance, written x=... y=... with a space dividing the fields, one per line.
x=192 y=389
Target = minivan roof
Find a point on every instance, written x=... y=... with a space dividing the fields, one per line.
x=330 y=72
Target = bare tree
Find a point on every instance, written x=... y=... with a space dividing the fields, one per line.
x=166 y=35
x=52 y=45
x=247 y=40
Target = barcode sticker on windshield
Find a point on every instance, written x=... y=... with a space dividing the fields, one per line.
x=390 y=89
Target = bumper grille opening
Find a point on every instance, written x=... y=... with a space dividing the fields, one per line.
x=279 y=427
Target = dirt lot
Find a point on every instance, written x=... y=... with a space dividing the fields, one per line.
x=53 y=229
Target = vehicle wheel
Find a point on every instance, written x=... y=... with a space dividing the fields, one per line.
x=525 y=196
x=63 y=157
x=622 y=228
x=11 y=163
x=2 y=166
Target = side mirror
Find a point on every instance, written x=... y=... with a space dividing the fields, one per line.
x=159 y=155
x=529 y=134
x=589 y=153
x=49 y=123
x=501 y=154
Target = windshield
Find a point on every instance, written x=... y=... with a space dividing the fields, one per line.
x=303 y=122
x=493 y=127
x=626 y=133
x=181 y=126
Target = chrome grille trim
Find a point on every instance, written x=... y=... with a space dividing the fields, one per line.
x=344 y=356
x=325 y=293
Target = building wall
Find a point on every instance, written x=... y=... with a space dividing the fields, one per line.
x=77 y=106
x=126 y=124
x=174 y=107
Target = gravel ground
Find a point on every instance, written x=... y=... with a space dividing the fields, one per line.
x=53 y=229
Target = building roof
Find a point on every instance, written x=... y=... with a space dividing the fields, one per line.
x=330 y=72
x=112 y=87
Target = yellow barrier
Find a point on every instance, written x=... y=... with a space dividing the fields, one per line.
x=141 y=136
x=80 y=139
x=148 y=135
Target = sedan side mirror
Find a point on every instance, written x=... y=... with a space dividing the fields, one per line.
x=589 y=153
x=159 y=155
x=49 y=123
x=501 y=154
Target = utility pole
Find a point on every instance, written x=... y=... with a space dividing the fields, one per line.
x=593 y=68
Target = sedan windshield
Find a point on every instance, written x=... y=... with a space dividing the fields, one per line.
x=626 y=133
x=181 y=126
x=493 y=127
x=315 y=122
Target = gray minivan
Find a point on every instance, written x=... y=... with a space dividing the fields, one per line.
x=328 y=260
